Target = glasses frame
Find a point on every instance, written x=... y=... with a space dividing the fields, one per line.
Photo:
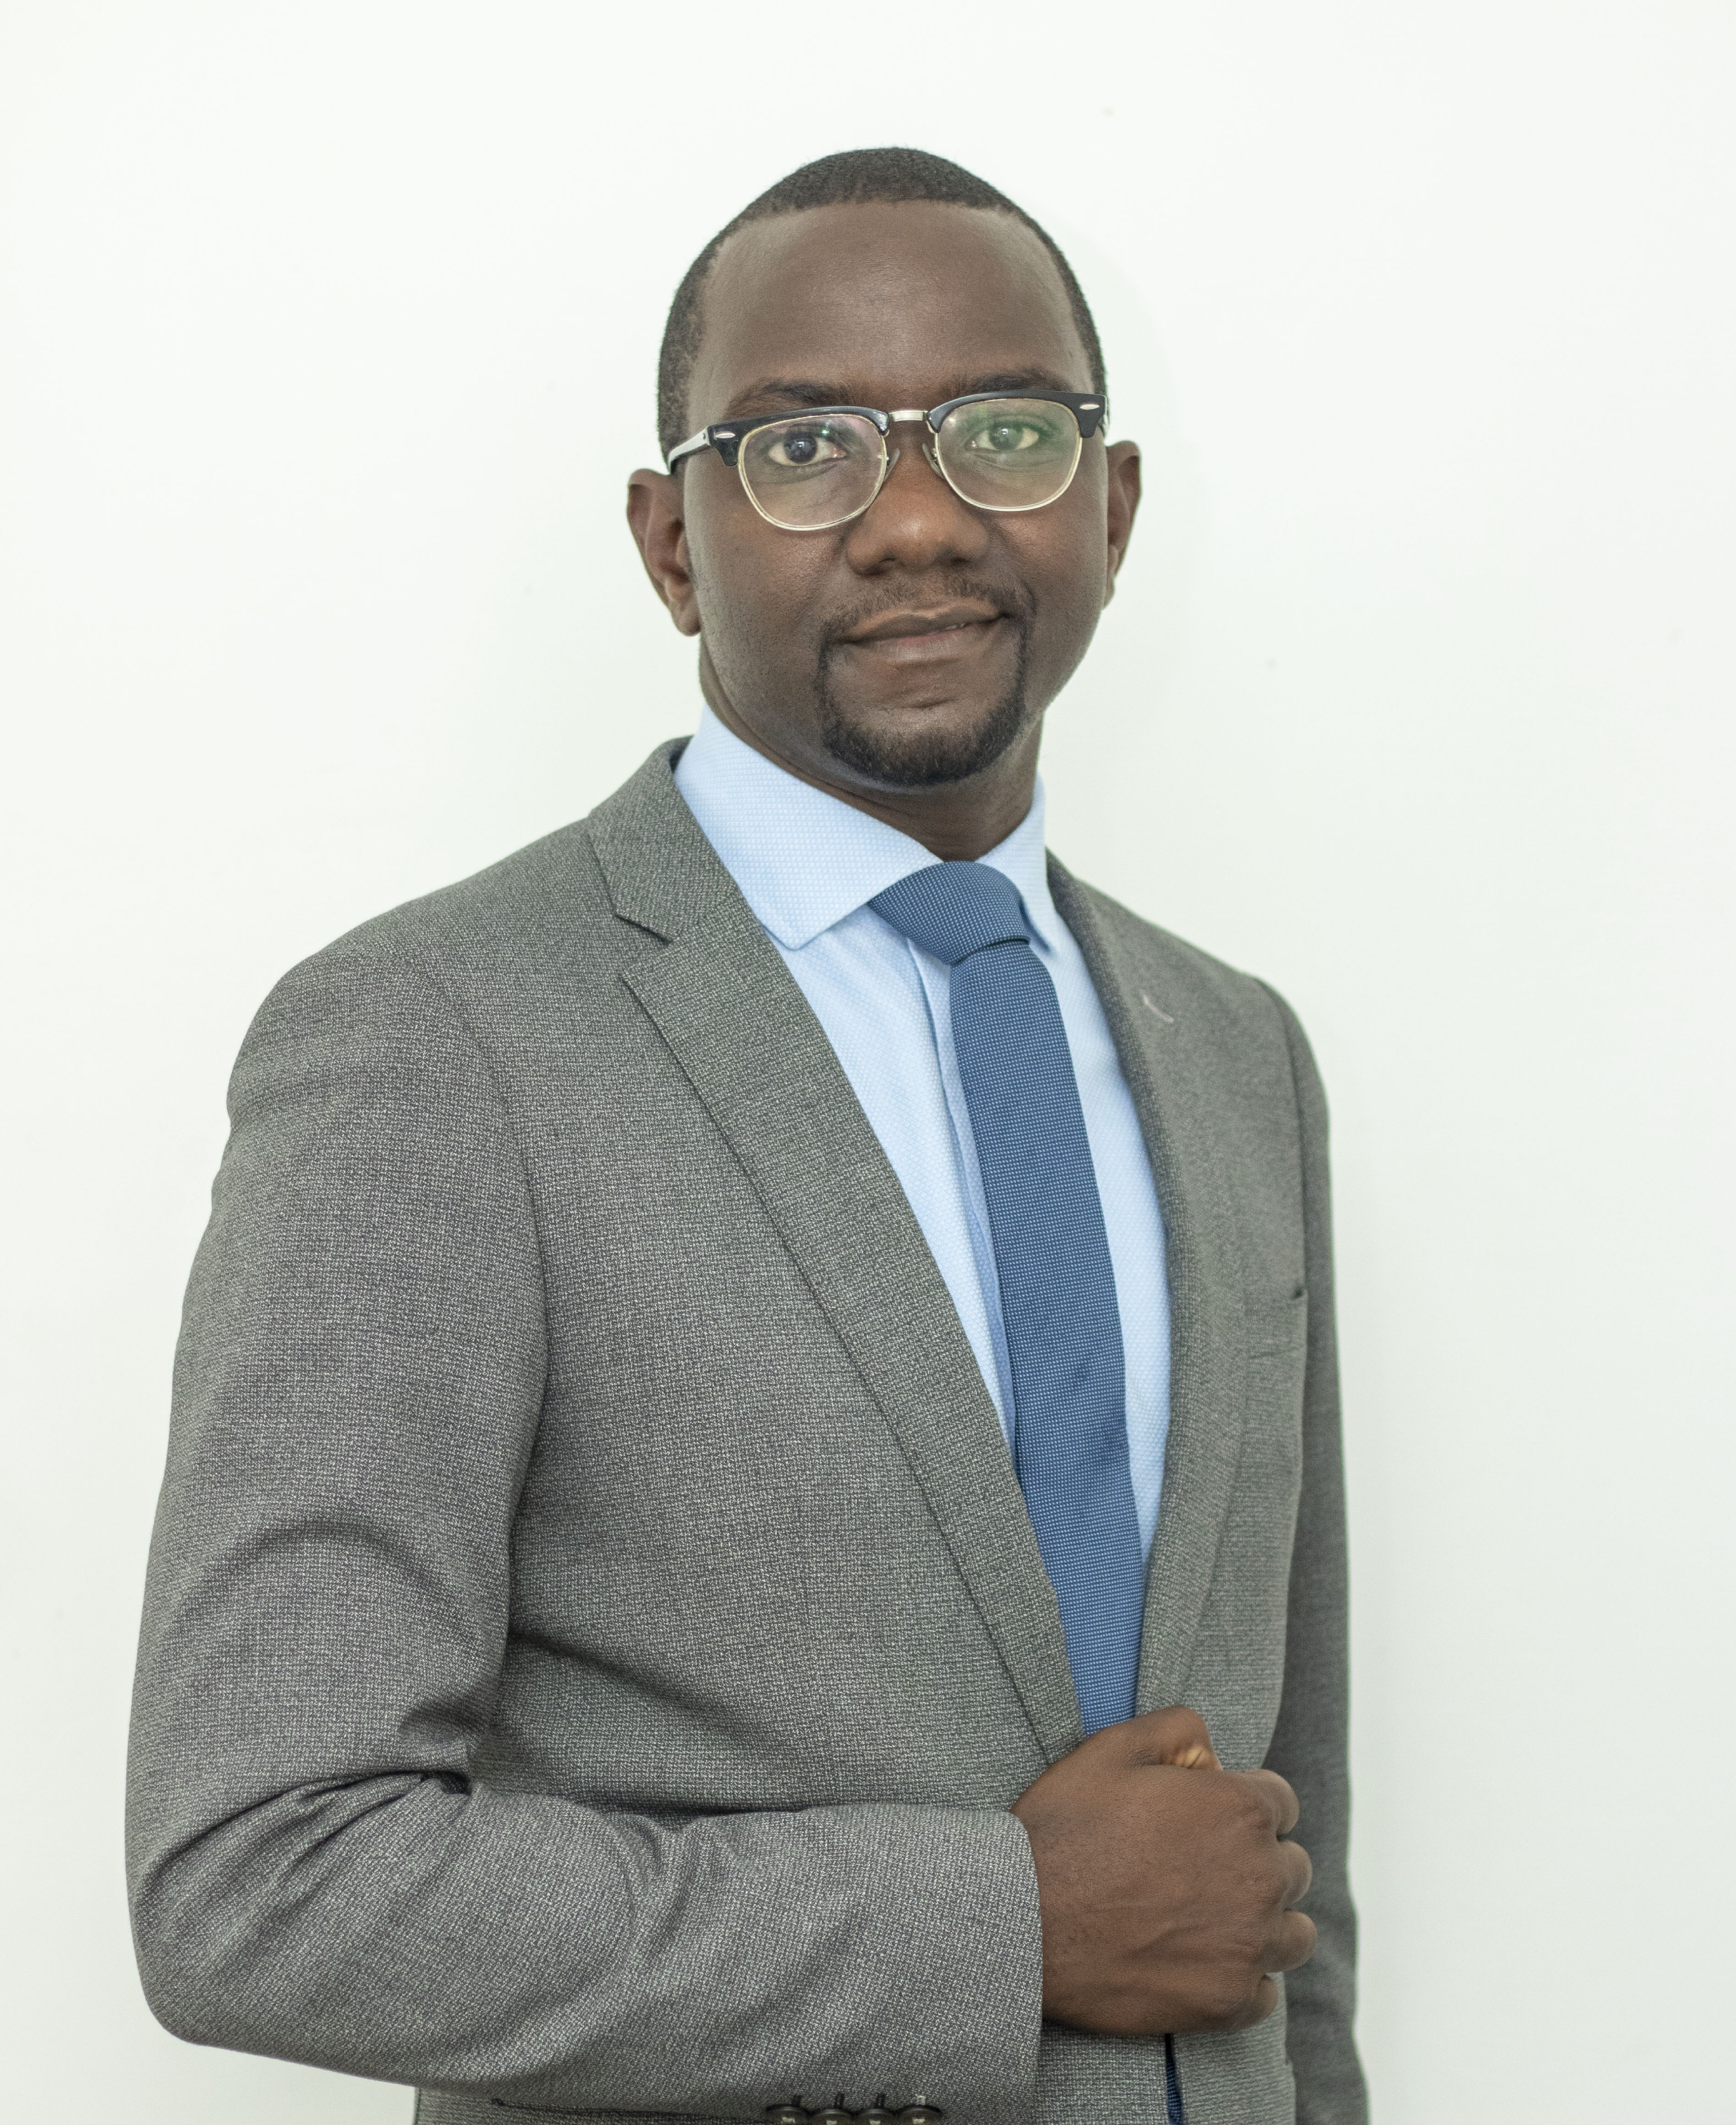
x=1089 y=409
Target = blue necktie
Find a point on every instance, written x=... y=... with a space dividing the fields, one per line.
x=1058 y=1288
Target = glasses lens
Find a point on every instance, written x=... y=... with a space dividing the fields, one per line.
x=813 y=470
x=1009 y=452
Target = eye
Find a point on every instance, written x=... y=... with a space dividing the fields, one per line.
x=801 y=448
x=1005 y=437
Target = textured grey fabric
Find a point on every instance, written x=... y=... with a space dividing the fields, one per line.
x=593 y=1632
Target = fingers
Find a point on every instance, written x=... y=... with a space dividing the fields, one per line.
x=1293 y=1941
x=1299 y=1872
x=1276 y=1795
x=1290 y=1947
x=1257 y=2005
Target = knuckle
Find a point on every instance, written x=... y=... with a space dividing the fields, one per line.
x=1290 y=1808
x=1247 y=1810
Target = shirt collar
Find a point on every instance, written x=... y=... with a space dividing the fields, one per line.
x=805 y=861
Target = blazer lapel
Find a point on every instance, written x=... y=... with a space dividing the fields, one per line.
x=1170 y=1068
x=748 y=1041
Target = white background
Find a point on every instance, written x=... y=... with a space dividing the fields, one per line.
x=327 y=339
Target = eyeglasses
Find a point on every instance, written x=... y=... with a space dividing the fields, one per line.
x=808 y=472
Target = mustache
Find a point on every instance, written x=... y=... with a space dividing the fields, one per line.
x=1011 y=601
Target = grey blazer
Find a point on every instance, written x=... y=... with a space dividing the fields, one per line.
x=593 y=1633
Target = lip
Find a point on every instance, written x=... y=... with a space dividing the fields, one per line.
x=918 y=622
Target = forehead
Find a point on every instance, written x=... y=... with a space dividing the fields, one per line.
x=911 y=299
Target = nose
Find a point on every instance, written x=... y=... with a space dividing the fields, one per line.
x=916 y=521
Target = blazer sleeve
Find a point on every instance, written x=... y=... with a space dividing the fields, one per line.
x=1309 y=1745
x=316 y=1871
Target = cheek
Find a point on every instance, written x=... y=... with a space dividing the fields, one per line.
x=753 y=583
x=1064 y=549
x=1067 y=568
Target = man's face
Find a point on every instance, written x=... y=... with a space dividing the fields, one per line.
x=920 y=644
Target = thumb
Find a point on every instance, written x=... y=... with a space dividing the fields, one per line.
x=1174 y=1736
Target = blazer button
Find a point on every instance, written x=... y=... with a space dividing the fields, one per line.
x=786 y=2114
x=831 y=2116
x=921 y=2114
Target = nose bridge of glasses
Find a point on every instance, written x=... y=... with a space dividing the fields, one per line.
x=913 y=413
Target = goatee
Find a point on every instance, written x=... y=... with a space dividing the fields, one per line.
x=929 y=757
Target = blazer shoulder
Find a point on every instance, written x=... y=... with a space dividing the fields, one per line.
x=428 y=977
x=550 y=912
x=539 y=921
x=1195 y=972
x=1173 y=978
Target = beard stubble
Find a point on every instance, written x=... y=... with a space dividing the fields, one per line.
x=931 y=757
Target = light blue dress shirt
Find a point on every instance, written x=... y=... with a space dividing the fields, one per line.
x=808 y=865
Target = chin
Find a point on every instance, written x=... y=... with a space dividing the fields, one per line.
x=917 y=751
x=917 y=745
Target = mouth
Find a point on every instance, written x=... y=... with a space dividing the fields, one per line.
x=919 y=633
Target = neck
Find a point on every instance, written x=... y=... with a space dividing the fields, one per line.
x=958 y=822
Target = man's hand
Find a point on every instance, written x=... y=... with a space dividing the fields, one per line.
x=1166 y=1892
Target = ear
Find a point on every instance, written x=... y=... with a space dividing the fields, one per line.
x=1124 y=506
x=655 y=506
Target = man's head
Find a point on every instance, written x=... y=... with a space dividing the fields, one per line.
x=878 y=177
x=903 y=658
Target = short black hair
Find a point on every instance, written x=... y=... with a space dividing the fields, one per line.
x=860 y=177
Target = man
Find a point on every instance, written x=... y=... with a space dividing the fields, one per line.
x=741 y=1353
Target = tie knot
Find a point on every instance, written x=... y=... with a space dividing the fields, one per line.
x=954 y=909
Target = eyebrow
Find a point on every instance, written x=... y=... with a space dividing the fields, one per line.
x=797 y=391
x=804 y=391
